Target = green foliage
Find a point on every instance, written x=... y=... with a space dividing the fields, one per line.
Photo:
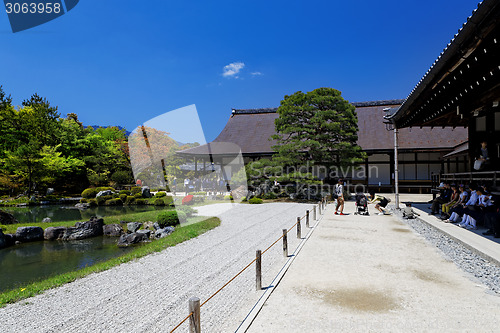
x=228 y=197
x=270 y=196
x=170 y=218
x=103 y=198
x=123 y=197
x=159 y=202
x=141 y=202
x=122 y=177
x=319 y=127
x=125 y=192
x=138 y=195
x=160 y=194
x=129 y=200
x=189 y=211
x=169 y=200
x=254 y=201
x=244 y=199
x=84 y=200
x=136 y=190
x=93 y=202
x=3 y=227
x=113 y=202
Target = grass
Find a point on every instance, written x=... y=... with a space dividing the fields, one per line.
x=180 y=235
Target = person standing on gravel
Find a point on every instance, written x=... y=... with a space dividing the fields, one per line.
x=339 y=193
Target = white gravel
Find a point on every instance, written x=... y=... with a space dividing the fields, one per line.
x=151 y=294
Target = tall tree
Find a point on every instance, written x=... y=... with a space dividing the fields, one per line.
x=318 y=127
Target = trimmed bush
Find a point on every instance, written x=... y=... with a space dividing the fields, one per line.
x=244 y=199
x=103 y=198
x=169 y=200
x=113 y=202
x=170 y=218
x=270 y=195
x=255 y=201
x=138 y=195
x=104 y=188
x=125 y=192
x=160 y=194
x=189 y=211
x=83 y=200
x=129 y=200
x=159 y=202
x=188 y=200
x=136 y=190
x=123 y=197
x=141 y=202
x=93 y=202
x=89 y=193
x=228 y=197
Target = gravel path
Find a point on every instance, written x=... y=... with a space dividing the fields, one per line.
x=151 y=294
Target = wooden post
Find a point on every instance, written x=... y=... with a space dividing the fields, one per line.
x=194 y=319
x=314 y=213
x=285 y=243
x=307 y=219
x=258 y=270
x=319 y=207
x=299 y=233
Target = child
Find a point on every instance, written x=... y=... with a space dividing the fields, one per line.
x=409 y=213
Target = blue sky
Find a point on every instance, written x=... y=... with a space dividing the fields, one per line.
x=123 y=62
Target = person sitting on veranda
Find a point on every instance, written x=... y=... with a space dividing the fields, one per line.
x=445 y=208
x=458 y=212
x=442 y=199
x=482 y=161
x=381 y=202
x=484 y=205
x=459 y=205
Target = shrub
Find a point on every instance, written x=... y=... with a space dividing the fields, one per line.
x=169 y=200
x=123 y=197
x=141 y=202
x=3 y=227
x=159 y=202
x=129 y=200
x=160 y=194
x=270 y=195
x=89 y=193
x=189 y=211
x=219 y=197
x=188 y=200
x=198 y=199
x=83 y=200
x=104 y=188
x=138 y=195
x=199 y=193
x=228 y=197
x=136 y=190
x=113 y=202
x=103 y=198
x=170 y=218
x=92 y=202
x=125 y=192
x=244 y=199
x=254 y=201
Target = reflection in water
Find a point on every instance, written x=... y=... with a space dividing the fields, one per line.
x=66 y=213
x=29 y=262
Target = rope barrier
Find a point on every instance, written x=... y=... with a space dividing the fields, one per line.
x=234 y=277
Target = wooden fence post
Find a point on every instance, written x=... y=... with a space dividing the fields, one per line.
x=307 y=219
x=194 y=319
x=258 y=270
x=285 y=243
x=319 y=207
x=299 y=233
x=314 y=213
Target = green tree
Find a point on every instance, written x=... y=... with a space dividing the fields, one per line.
x=319 y=128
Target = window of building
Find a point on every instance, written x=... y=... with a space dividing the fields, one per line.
x=481 y=124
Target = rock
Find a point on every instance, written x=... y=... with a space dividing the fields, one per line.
x=149 y=225
x=146 y=192
x=6 y=218
x=82 y=205
x=133 y=226
x=50 y=191
x=129 y=239
x=10 y=239
x=145 y=232
x=29 y=234
x=44 y=203
x=101 y=193
x=82 y=230
x=160 y=233
x=112 y=230
x=47 y=220
x=156 y=225
x=54 y=233
x=3 y=241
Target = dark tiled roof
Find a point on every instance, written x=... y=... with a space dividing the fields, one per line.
x=379 y=103
x=251 y=129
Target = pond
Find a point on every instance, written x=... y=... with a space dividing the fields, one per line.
x=58 y=213
x=28 y=262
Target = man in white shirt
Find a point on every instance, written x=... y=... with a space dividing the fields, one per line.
x=339 y=192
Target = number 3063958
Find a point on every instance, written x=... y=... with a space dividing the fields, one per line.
x=33 y=8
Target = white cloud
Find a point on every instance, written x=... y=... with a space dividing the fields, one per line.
x=256 y=74
x=232 y=69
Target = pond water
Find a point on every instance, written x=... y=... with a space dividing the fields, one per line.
x=60 y=213
x=28 y=262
